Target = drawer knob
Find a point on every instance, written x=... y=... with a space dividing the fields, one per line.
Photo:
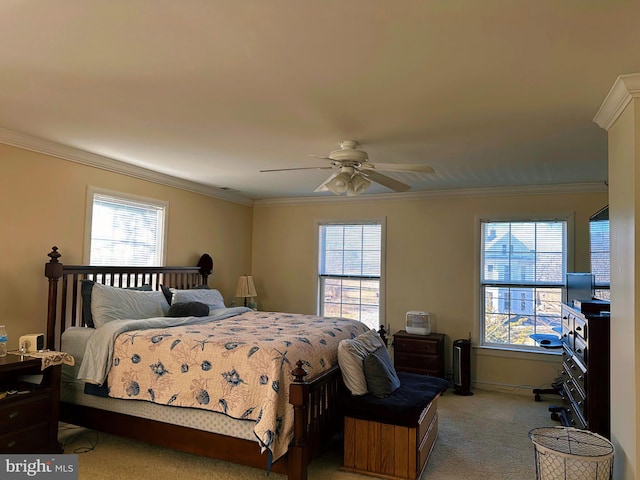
x=579 y=329
x=14 y=415
x=11 y=444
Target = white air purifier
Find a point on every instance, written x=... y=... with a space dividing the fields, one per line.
x=418 y=323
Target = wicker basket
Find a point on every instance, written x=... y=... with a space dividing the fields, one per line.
x=565 y=453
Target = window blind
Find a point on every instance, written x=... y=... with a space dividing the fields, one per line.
x=350 y=250
x=126 y=231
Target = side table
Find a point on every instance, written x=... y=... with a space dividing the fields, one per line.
x=28 y=411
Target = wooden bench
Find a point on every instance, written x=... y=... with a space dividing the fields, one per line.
x=393 y=437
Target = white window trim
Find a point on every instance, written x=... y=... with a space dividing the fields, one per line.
x=383 y=260
x=91 y=191
x=478 y=326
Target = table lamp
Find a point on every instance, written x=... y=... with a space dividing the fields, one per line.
x=246 y=289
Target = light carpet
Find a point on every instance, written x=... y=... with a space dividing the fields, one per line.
x=483 y=436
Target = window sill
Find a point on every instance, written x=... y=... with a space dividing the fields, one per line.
x=528 y=354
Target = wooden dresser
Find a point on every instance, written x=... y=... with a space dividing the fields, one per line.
x=585 y=370
x=422 y=354
x=28 y=417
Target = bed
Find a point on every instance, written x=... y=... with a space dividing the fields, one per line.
x=191 y=388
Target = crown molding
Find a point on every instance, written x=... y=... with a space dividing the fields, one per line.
x=72 y=154
x=599 y=187
x=624 y=89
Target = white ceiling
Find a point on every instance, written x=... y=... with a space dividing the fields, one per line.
x=492 y=93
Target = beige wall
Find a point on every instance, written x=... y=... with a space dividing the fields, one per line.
x=44 y=205
x=431 y=264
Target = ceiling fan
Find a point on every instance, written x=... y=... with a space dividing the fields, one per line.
x=356 y=173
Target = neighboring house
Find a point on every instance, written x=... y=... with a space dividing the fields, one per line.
x=518 y=266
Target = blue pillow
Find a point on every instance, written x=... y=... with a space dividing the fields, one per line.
x=382 y=379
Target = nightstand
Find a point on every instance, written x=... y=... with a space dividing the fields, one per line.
x=29 y=417
x=422 y=354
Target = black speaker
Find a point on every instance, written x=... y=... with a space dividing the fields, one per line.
x=462 y=367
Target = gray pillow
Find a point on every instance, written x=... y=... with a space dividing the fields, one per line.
x=188 y=309
x=86 y=287
x=112 y=303
x=382 y=379
x=351 y=355
x=168 y=294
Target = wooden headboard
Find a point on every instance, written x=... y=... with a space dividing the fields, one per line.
x=64 y=308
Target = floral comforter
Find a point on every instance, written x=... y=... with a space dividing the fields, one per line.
x=240 y=366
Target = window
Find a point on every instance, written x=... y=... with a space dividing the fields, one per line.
x=523 y=267
x=125 y=230
x=600 y=253
x=350 y=264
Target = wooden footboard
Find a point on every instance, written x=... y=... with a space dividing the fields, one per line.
x=315 y=401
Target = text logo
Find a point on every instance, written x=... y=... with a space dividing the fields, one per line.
x=49 y=467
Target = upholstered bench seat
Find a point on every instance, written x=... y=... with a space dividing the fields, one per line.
x=392 y=437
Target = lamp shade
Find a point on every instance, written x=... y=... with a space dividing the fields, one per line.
x=246 y=287
x=357 y=185
x=340 y=183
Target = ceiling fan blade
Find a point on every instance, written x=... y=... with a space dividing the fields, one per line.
x=323 y=186
x=388 y=182
x=298 y=168
x=397 y=167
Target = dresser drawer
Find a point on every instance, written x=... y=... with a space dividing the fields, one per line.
x=416 y=361
x=580 y=350
x=28 y=439
x=575 y=419
x=22 y=410
x=580 y=328
x=423 y=347
x=574 y=371
x=567 y=331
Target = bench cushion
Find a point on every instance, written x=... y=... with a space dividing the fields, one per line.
x=403 y=407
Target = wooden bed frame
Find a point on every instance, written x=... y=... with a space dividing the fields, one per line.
x=316 y=405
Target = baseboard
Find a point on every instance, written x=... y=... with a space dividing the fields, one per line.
x=504 y=388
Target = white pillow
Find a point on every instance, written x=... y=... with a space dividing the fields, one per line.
x=110 y=303
x=212 y=297
x=351 y=355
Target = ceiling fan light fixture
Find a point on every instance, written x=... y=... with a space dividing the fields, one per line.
x=340 y=183
x=358 y=185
